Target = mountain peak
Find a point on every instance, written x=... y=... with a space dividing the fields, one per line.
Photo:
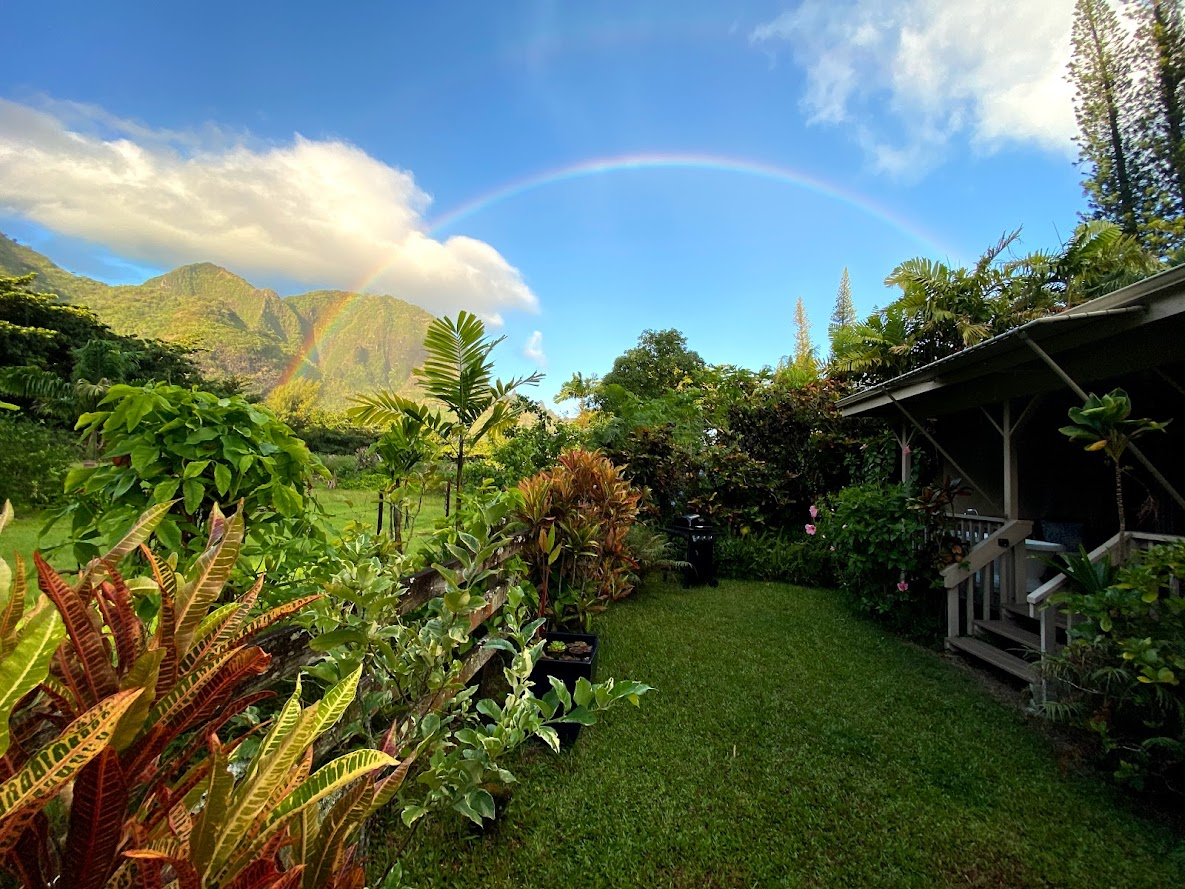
x=198 y=278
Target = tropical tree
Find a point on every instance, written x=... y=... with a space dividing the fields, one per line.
x=295 y=402
x=458 y=376
x=1105 y=424
x=660 y=363
x=406 y=448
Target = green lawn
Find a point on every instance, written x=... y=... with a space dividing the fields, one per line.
x=792 y=744
x=340 y=506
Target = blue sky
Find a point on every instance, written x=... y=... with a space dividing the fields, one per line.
x=314 y=145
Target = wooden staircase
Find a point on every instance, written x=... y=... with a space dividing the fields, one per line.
x=991 y=619
x=980 y=625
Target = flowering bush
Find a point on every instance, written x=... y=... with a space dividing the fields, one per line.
x=881 y=555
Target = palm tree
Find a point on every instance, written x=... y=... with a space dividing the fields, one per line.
x=457 y=375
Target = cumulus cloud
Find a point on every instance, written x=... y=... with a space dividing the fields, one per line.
x=907 y=76
x=533 y=350
x=321 y=212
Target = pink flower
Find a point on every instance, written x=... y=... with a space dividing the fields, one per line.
x=902 y=586
x=810 y=529
x=814 y=511
x=907 y=450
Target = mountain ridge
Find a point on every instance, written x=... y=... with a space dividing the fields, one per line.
x=363 y=341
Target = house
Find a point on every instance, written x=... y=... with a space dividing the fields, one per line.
x=990 y=414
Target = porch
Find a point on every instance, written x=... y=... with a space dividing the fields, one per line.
x=991 y=614
x=990 y=416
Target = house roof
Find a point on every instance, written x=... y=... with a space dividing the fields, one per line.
x=1139 y=327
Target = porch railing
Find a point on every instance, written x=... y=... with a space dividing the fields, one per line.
x=992 y=575
x=974 y=529
x=1040 y=601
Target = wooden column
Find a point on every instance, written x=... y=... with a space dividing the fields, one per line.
x=903 y=439
x=1011 y=470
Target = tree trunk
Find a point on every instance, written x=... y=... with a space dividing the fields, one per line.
x=1127 y=209
x=1122 y=518
x=460 y=467
x=379 y=524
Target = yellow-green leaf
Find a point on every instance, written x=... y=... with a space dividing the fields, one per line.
x=60 y=760
x=28 y=664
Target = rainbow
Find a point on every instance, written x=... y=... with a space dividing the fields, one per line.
x=621 y=164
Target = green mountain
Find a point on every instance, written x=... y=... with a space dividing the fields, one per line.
x=349 y=342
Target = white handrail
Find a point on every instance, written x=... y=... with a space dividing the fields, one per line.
x=1009 y=536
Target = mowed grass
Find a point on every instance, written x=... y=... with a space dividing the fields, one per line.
x=340 y=506
x=790 y=743
x=343 y=506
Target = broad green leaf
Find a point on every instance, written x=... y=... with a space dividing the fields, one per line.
x=333 y=638
x=222 y=478
x=561 y=691
x=28 y=664
x=584 y=692
x=193 y=491
x=329 y=778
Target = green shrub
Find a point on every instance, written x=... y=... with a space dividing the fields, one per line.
x=773 y=555
x=34 y=460
x=1121 y=674
x=883 y=558
x=168 y=443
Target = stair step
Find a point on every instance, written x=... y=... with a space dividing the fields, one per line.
x=1008 y=630
x=1001 y=660
x=1021 y=609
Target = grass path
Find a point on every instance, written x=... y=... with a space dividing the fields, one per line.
x=791 y=744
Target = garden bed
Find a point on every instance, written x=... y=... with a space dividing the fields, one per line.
x=790 y=743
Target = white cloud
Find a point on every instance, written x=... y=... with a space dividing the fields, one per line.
x=322 y=212
x=909 y=75
x=533 y=350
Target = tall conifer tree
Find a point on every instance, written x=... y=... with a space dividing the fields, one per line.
x=804 y=349
x=1158 y=60
x=1100 y=71
x=844 y=314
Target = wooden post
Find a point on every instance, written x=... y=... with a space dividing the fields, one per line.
x=952 y=611
x=1011 y=470
x=906 y=456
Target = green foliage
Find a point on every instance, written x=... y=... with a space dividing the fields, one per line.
x=782 y=556
x=1105 y=424
x=295 y=402
x=1121 y=675
x=458 y=376
x=34 y=460
x=660 y=363
x=525 y=449
x=576 y=519
x=60 y=360
x=884 y=553
x=164 y=443
x=943 y=310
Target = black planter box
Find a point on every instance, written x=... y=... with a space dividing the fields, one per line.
x=567 y=672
